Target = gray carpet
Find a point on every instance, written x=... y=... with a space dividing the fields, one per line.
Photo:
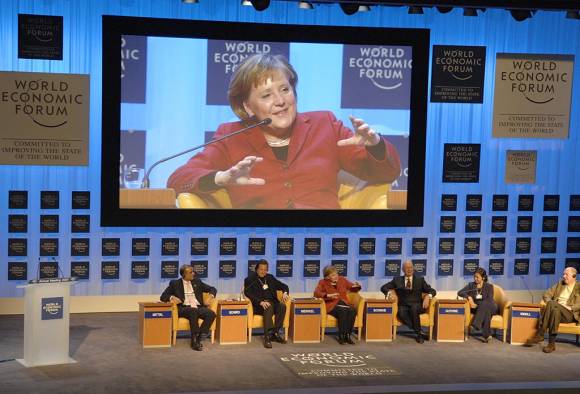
x=110 y=360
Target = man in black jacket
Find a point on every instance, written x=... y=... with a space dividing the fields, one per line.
x=261 y=289
x=187 y=293
x=413 y=294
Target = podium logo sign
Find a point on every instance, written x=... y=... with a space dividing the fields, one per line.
x=377 y=77
x=52 y=308
x=532 y=95
x=336 y=364
x=45 y=119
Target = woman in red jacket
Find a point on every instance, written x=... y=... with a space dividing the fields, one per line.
x=332 y=289
x=293 y=161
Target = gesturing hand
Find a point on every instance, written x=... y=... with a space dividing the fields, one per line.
x=239 y=174
x=363 y=134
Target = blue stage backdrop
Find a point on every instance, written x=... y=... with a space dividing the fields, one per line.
x=487 y=223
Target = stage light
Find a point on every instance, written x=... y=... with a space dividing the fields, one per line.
x=572 y=14
x=521 y=15
x=349 y=8
x=415 y=10
x=470 y=11
x=364 y=8
x=444 y=10
x=304 y=5
x=190 y=1
x=260 y=5
x=246 y=3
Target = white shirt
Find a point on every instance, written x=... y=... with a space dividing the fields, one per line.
x=189 y=295
x=410 y=279
x=565 y=295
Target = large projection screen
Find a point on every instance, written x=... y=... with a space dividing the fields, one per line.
x=166 y=89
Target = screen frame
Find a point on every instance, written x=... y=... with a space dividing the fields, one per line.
x=114 y=27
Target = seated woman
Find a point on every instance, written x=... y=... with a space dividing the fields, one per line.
x=479 y=294
x=332 y=289
x=292 y=160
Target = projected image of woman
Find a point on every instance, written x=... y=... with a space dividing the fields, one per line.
x=292 y=162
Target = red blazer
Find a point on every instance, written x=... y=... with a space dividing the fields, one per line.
x=308 y=179
x=325 y=287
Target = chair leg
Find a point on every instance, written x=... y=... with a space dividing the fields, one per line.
x=359 y=335
x=212 y=336
x=174 y=338
x=321 y=334
x=286 y=333
x=249 y=335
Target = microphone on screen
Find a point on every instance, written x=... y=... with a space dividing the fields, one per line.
x=145 y=183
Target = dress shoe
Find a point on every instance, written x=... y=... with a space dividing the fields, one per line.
x=267 y=343
x=340 y=339
x=277 y=338
x=549 y=348
x=195 y=345
x=487 y=339
x=419 y=338
x=348 y=339
x=199 y=339
x=534 y=340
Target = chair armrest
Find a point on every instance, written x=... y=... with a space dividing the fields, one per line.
x=250 y=314
x=360 y=310
x=191 y=201
x=432 y=304
x=174 y=316
x=506 y=313
x=322 y=312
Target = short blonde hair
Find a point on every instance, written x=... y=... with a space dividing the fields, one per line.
x=251 y=72
x=329 y=269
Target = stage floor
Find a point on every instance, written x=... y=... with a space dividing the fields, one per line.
x=110 y=360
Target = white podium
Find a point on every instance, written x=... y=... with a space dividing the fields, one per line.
x=46 y=323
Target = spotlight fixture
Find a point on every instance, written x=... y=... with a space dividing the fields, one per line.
x=349 y=8
x=572 y=15
x=190 y=1
x=304 y=5
x=246 y=3
x=469 y=11
x=364 y=8
x=521 y=15
x=415 y=10
x=444 y=10
x=260 y=5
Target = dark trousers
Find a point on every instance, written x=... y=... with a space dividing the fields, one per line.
x=277 y=311
x=552 y=316
x=346 y=315
x=409 y=315
x=483 y=314
x=193 y=314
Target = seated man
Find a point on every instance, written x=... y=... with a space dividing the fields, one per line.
x=410 y=290
x=562 y=306
x=261 y=289
x=187 y=293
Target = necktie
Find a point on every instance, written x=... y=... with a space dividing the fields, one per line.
x=408 y=284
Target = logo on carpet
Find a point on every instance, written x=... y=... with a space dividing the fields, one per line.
x=336 y=364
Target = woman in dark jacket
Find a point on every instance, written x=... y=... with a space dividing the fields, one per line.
x=479 y=294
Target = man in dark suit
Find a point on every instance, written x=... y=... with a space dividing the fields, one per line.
x=261 y=287
x=413 y=294
x=187 y=293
